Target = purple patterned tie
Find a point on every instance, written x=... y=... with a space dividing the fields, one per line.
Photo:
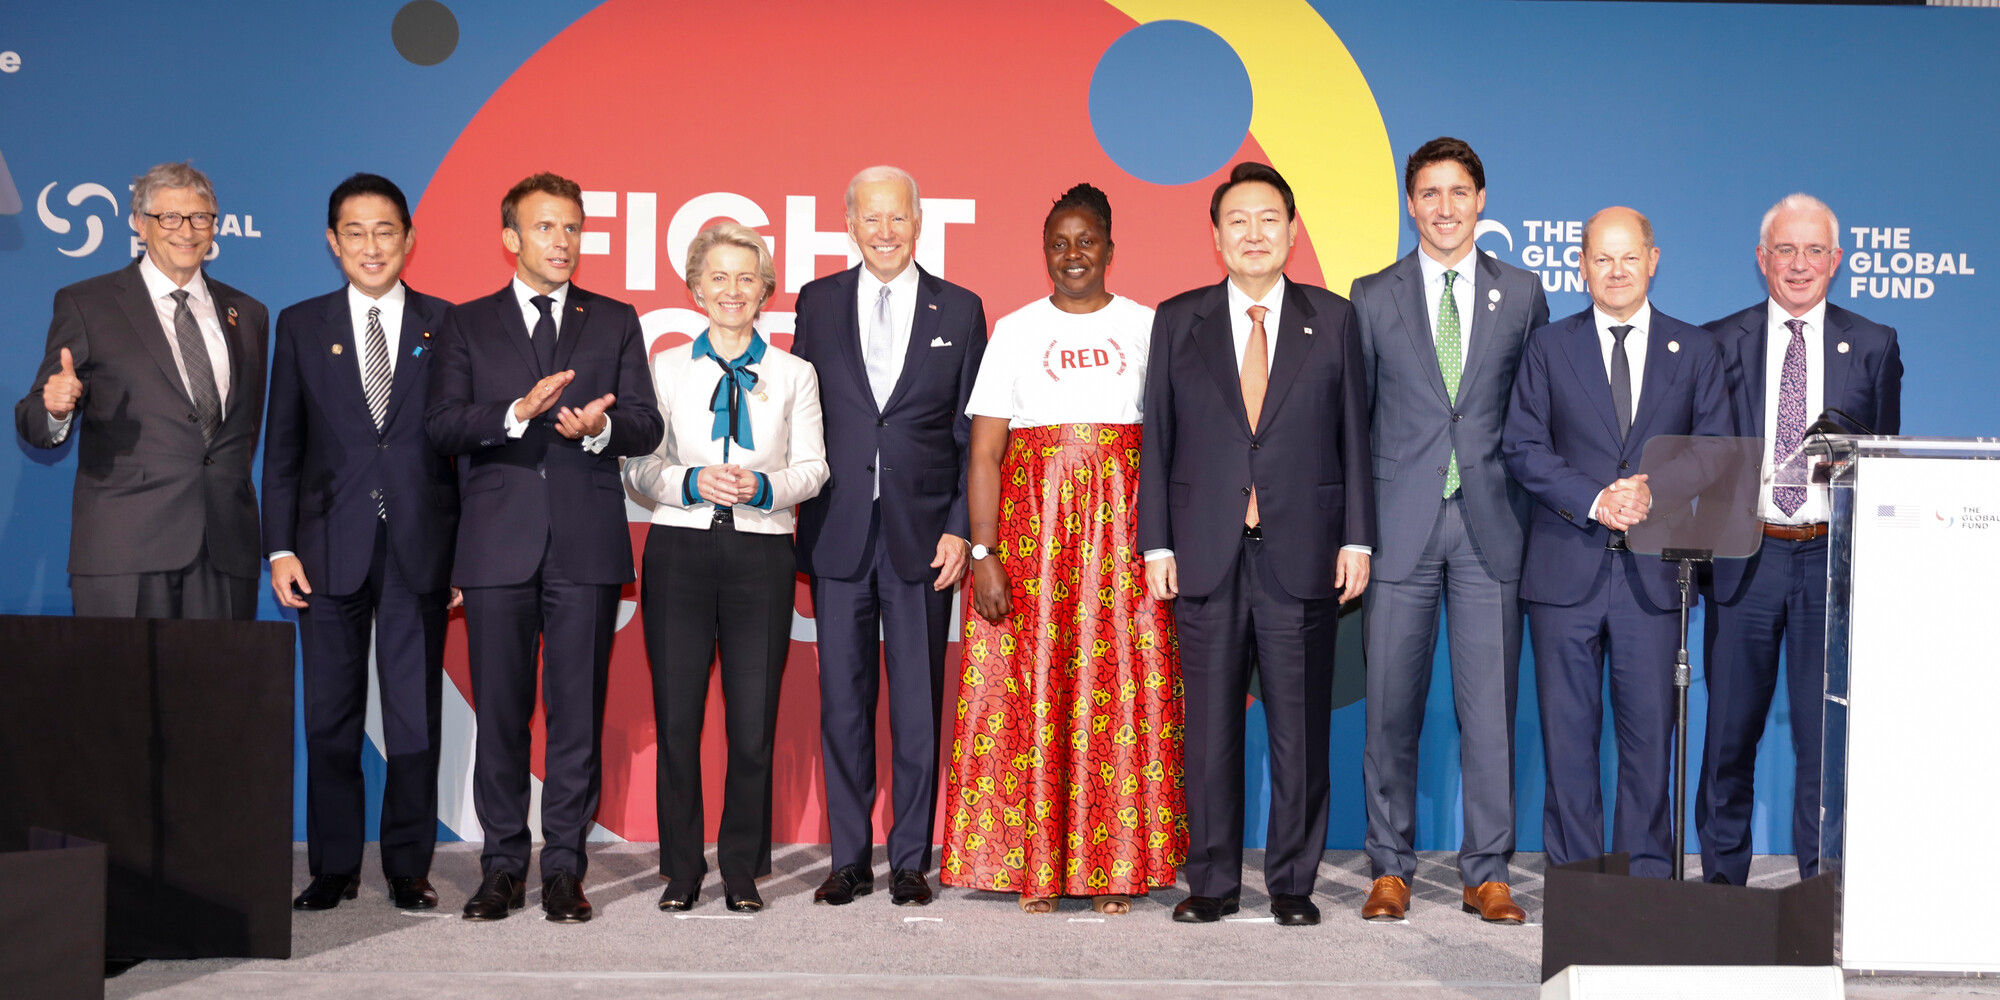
x=1792 y=413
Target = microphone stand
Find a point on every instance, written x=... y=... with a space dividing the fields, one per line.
x=1683 y=679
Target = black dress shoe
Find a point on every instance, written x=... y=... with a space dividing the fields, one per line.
x=499 y=895
x=908 y=887
x=846 y=882
x=1204 y=909
x=412 y=893
x=562 y=899
x=1294 y=911
x=681 y=894
x=744 y=900
x=326 y=892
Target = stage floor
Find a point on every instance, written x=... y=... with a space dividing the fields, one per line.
x=966 y=944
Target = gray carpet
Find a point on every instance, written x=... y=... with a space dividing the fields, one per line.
x=966 y=944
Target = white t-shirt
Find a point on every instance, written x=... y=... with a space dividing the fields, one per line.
x=1044 y=366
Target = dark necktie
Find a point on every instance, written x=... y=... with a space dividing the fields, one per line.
x=1792 y=413
x=375 y=368
x=1621 y=381
x=200 y=374
x=545 y=335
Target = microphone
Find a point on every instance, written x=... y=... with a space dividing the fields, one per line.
x=1826 y=424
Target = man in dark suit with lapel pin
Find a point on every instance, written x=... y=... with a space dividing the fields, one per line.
x=897 y=349
x=1786 y=360
x=539 y=388
x=1256 y=514
x=1441 y=334
x=163 y=367
x=1592 y=389
x=359 y=518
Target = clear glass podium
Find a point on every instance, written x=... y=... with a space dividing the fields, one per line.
x=1910 y=794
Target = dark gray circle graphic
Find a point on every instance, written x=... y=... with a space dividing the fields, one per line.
x=425 y=32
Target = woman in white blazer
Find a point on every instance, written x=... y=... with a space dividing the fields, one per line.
x=743 y=447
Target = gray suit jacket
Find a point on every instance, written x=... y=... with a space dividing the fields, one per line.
x=148 y=492
x=1415 y=424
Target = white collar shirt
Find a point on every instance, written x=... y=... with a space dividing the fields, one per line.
x=1461 y=295
x=1239 y=319
x=902 y=312
x=1777 y=339
x=391 y=304
x=531 y=315
x=161 y=289
x=1635 y=346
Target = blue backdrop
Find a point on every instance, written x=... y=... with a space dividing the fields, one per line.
x=1699 y=115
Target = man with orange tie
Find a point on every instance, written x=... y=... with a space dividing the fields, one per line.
x=1256 y=514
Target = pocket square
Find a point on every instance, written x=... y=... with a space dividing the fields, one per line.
x=940 y=342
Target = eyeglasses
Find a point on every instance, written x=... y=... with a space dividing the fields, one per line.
x=173 y=220
x=1814 y=255
x=356 y=237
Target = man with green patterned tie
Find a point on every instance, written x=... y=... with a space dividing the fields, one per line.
x=1441 y=332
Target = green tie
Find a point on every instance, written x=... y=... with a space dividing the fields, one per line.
x=1448 y=363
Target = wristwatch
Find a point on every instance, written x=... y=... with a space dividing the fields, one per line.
x=980 y=552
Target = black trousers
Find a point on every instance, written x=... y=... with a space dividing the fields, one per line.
x=1293 y=644
x=197 y=591
x=704 y=591
x=409 y=668
x=571 y=624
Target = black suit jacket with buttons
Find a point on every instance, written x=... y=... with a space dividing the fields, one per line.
x=922 y=434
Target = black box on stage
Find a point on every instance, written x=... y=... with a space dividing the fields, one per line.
x=169 y=742
x=1595 y=913
x=52 y=918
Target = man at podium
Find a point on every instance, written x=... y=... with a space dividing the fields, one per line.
x=1785 y=359
x=1592 y=389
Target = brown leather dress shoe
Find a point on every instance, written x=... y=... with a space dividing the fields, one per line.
x=1494 y=903
x=1387 y=900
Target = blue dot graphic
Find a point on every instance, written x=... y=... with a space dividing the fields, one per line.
x=1170 y=102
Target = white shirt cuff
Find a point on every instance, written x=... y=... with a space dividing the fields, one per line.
x=1366 y=550
x=1596 y=502
x=514 y=425
x=596 y=442
x=59 y=427
x=1155 y=555
x=281 y=554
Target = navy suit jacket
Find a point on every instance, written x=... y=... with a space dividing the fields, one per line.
x=325 y=464
x=1562 y=443
x=922 y=434
x=541 y=490
x=1865 y=380
x=149 y=492
x=1417 y=426
x=1308 y=457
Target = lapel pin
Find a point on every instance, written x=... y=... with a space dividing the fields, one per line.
x=1309 y=331
x=1842 y=348
x=579 y=308
x=418 y=353
x=1491 y=306
x=1493 y=295
x=933 y=305
x=761 y=398
x=232 y=315
x=1674 y=346
x=427 y=335
x=336 y=348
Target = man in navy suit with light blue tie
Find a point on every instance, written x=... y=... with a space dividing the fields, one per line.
x=1441 y=334
x=359 y=517
x=1592 y=389
x=897 y=350
x=539 y=388
x=1786 y=359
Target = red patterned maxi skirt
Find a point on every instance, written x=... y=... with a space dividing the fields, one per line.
x=1066 y=775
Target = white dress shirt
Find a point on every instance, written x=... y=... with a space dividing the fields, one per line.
x=1239 y=332
x=1777 y=338
x=161 y=289
x=1635 y=359
x=1461 y=296
x=784 y=415
x=391 y=304
x=902 y=317
x=530 y=316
